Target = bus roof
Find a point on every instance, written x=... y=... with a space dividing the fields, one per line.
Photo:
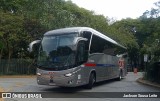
x=79 y=29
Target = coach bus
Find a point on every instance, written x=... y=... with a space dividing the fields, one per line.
x=77 y=56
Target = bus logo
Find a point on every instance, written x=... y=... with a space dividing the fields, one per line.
x=6 y=95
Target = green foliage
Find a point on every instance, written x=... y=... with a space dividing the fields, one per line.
x=10 y=5
x=10 y=29
x=23 y=21
x=153 y=72
x=150 y=31
x=127 y=29
x=151 y=34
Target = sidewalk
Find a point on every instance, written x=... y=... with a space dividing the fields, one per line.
x=146 y=82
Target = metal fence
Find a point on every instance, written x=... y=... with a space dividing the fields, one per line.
x=17 y=67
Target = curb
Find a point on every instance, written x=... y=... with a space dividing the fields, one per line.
x=149 y=83
x=18 y=76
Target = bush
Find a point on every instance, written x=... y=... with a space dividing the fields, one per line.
x=153 y=72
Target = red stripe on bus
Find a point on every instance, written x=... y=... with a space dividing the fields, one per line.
x=90 y=64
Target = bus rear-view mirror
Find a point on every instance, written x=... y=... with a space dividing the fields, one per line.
x=33 y=45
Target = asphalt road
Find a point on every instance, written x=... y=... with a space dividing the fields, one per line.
x=128 y=84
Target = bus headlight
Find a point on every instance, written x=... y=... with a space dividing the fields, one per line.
x=39 y=74
x=68 y=74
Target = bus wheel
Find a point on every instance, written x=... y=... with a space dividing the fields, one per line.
x=92 y=80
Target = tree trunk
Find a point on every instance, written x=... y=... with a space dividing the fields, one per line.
x=1 y=53
x=9 y=58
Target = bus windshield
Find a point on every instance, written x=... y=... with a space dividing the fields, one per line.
x=56 y=52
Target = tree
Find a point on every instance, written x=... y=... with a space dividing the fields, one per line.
x=127 y=30
x=153 y=13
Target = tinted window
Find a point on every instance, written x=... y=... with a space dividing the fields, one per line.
x=99 y=45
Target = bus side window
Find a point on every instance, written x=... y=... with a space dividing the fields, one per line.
x=109 y=49
x=97 y=44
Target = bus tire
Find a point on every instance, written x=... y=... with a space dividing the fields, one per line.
x=92 y=79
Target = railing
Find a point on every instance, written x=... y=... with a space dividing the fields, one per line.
x=17 y=67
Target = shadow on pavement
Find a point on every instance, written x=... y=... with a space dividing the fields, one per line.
x=79 y=88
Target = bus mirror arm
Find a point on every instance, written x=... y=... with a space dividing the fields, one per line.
x=31 y=45
x=84 y=39
x=81 y=39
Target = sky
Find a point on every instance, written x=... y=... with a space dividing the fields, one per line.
x=117 y=9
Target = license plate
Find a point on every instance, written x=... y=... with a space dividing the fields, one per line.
x=52 y=84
